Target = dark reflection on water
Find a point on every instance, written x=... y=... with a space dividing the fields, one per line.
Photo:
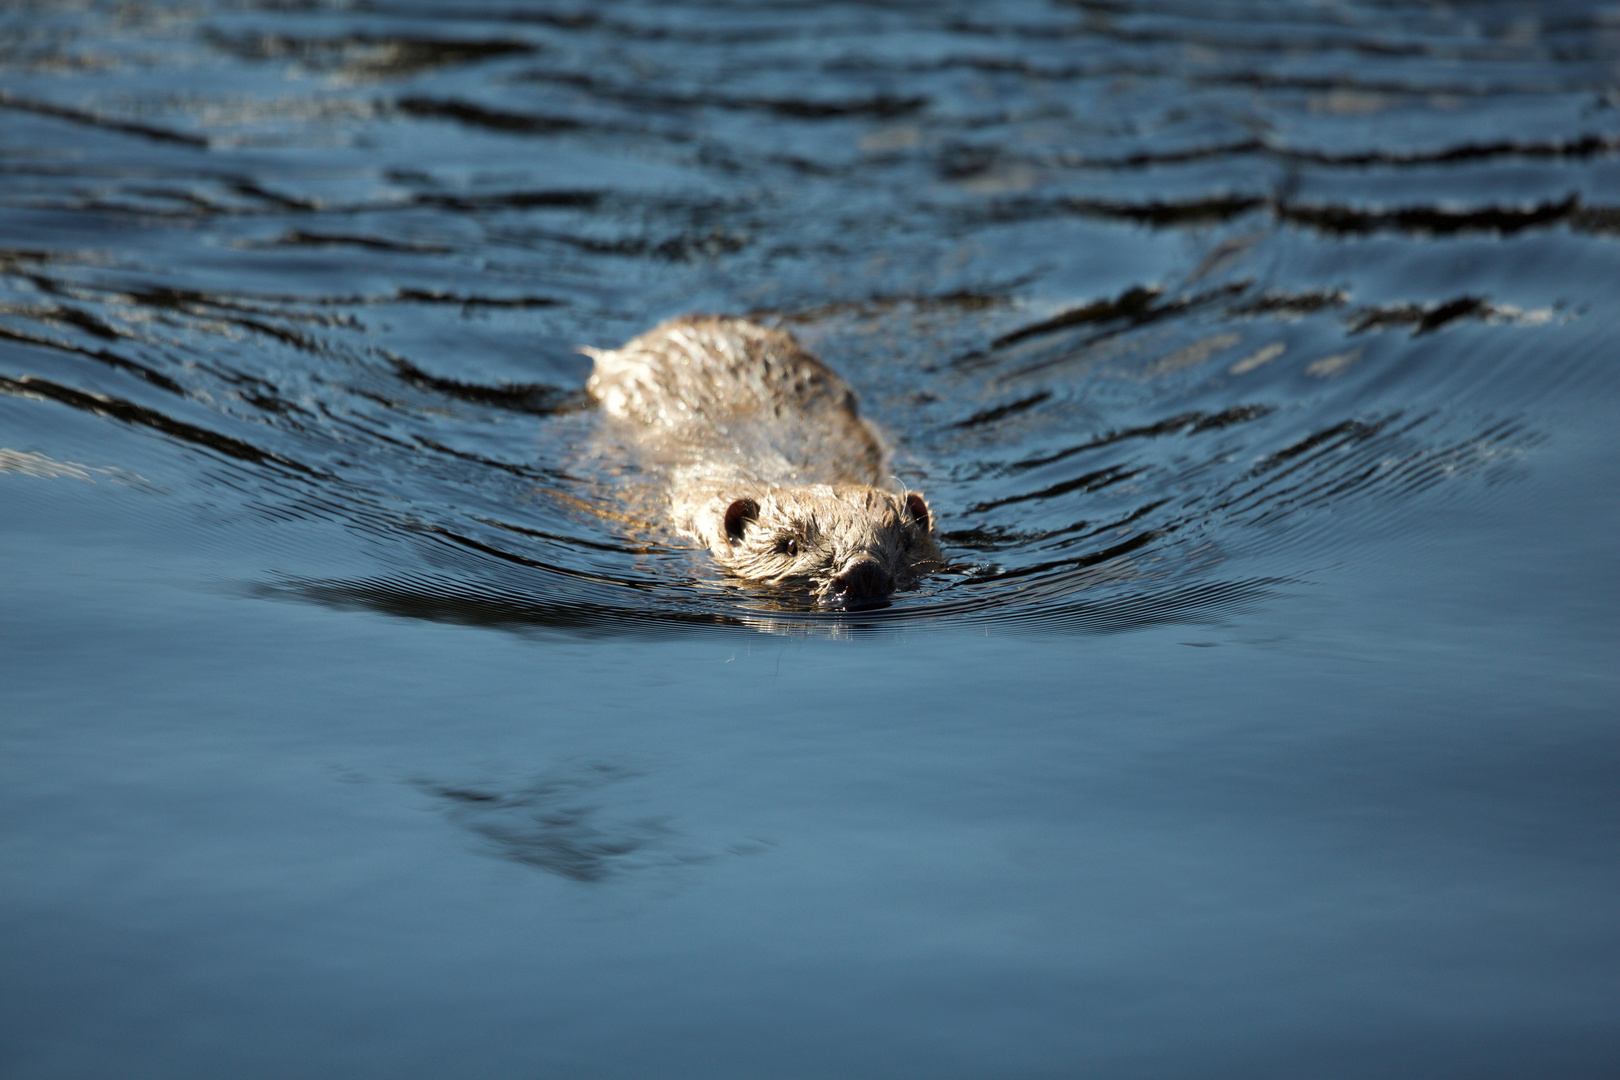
x=1183 y=316
x=509 y=609
x=550 y=824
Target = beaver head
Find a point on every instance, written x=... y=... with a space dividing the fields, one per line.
x=851 y=546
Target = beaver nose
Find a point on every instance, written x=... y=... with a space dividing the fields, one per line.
x=862 y=583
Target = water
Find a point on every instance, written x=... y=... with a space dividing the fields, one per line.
x=1257 y=361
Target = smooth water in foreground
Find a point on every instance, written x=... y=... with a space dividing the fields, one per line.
x=1260 y=362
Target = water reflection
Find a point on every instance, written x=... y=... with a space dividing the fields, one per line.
x=555 y=824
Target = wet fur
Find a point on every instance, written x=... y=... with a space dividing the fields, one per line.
x=770 y=464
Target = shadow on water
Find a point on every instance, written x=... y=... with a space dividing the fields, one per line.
x=575 y=821
x=552 y=824
x=470 y=604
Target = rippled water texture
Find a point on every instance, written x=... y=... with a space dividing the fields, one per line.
x=352 y=726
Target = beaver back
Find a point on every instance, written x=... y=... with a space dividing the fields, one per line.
x=728 y=396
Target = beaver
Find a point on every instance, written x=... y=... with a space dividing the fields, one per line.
x=769 y=462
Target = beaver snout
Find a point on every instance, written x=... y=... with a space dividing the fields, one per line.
x=863 y=584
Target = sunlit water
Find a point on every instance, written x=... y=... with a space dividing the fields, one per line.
x=1259 y=362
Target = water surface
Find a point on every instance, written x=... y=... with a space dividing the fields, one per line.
x=1258 y=362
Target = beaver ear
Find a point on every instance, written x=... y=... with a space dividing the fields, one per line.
x=918 y=508
x=739 y=514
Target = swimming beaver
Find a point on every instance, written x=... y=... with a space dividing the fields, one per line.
x=770 y=463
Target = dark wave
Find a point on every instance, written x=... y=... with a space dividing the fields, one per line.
x=140 y=416
x=105 y=123
x=1332 y=218
x=1430 y=220
x=1136 y=307
x=958 y=164
x=527 y=397
x=881 y=106
x=479 y=116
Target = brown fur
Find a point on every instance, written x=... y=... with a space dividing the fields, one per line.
x=770 y=463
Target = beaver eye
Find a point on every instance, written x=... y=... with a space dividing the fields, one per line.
x=787 y=545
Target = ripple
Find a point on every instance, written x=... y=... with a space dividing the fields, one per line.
x=1080 y=265
x=96 y=120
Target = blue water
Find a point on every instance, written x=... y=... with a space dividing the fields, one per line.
x=1259 y=363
